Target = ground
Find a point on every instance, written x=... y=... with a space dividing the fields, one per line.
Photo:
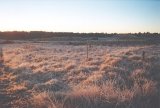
x=47 y=75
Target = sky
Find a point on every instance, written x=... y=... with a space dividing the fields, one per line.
x=109 y=16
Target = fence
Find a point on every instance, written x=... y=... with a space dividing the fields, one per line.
x=1 y=55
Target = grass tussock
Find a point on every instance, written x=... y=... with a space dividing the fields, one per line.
x=42 y=100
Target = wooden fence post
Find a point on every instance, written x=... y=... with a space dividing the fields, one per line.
x=1 y=53
x=143 y=55
x=87 y=49
x=1 y=56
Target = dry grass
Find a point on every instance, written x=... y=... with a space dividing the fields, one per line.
x=57 y=76
x=42 y=100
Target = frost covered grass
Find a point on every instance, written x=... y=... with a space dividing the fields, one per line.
x=61 y=76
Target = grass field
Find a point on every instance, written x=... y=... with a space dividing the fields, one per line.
x=47 y=75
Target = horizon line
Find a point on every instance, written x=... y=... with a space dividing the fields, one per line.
x=75 y=32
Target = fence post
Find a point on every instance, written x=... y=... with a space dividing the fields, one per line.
x=143 y=55
x=1 y=53
x=1 y=56
x=87 y=49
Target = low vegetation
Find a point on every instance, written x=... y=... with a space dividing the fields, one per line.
x=36 y=75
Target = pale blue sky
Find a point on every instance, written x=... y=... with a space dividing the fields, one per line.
x=119 y=16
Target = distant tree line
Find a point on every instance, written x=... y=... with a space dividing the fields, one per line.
x=21 y=35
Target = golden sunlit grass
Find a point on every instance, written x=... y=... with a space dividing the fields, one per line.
x=57 y=76
x=43 y=100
